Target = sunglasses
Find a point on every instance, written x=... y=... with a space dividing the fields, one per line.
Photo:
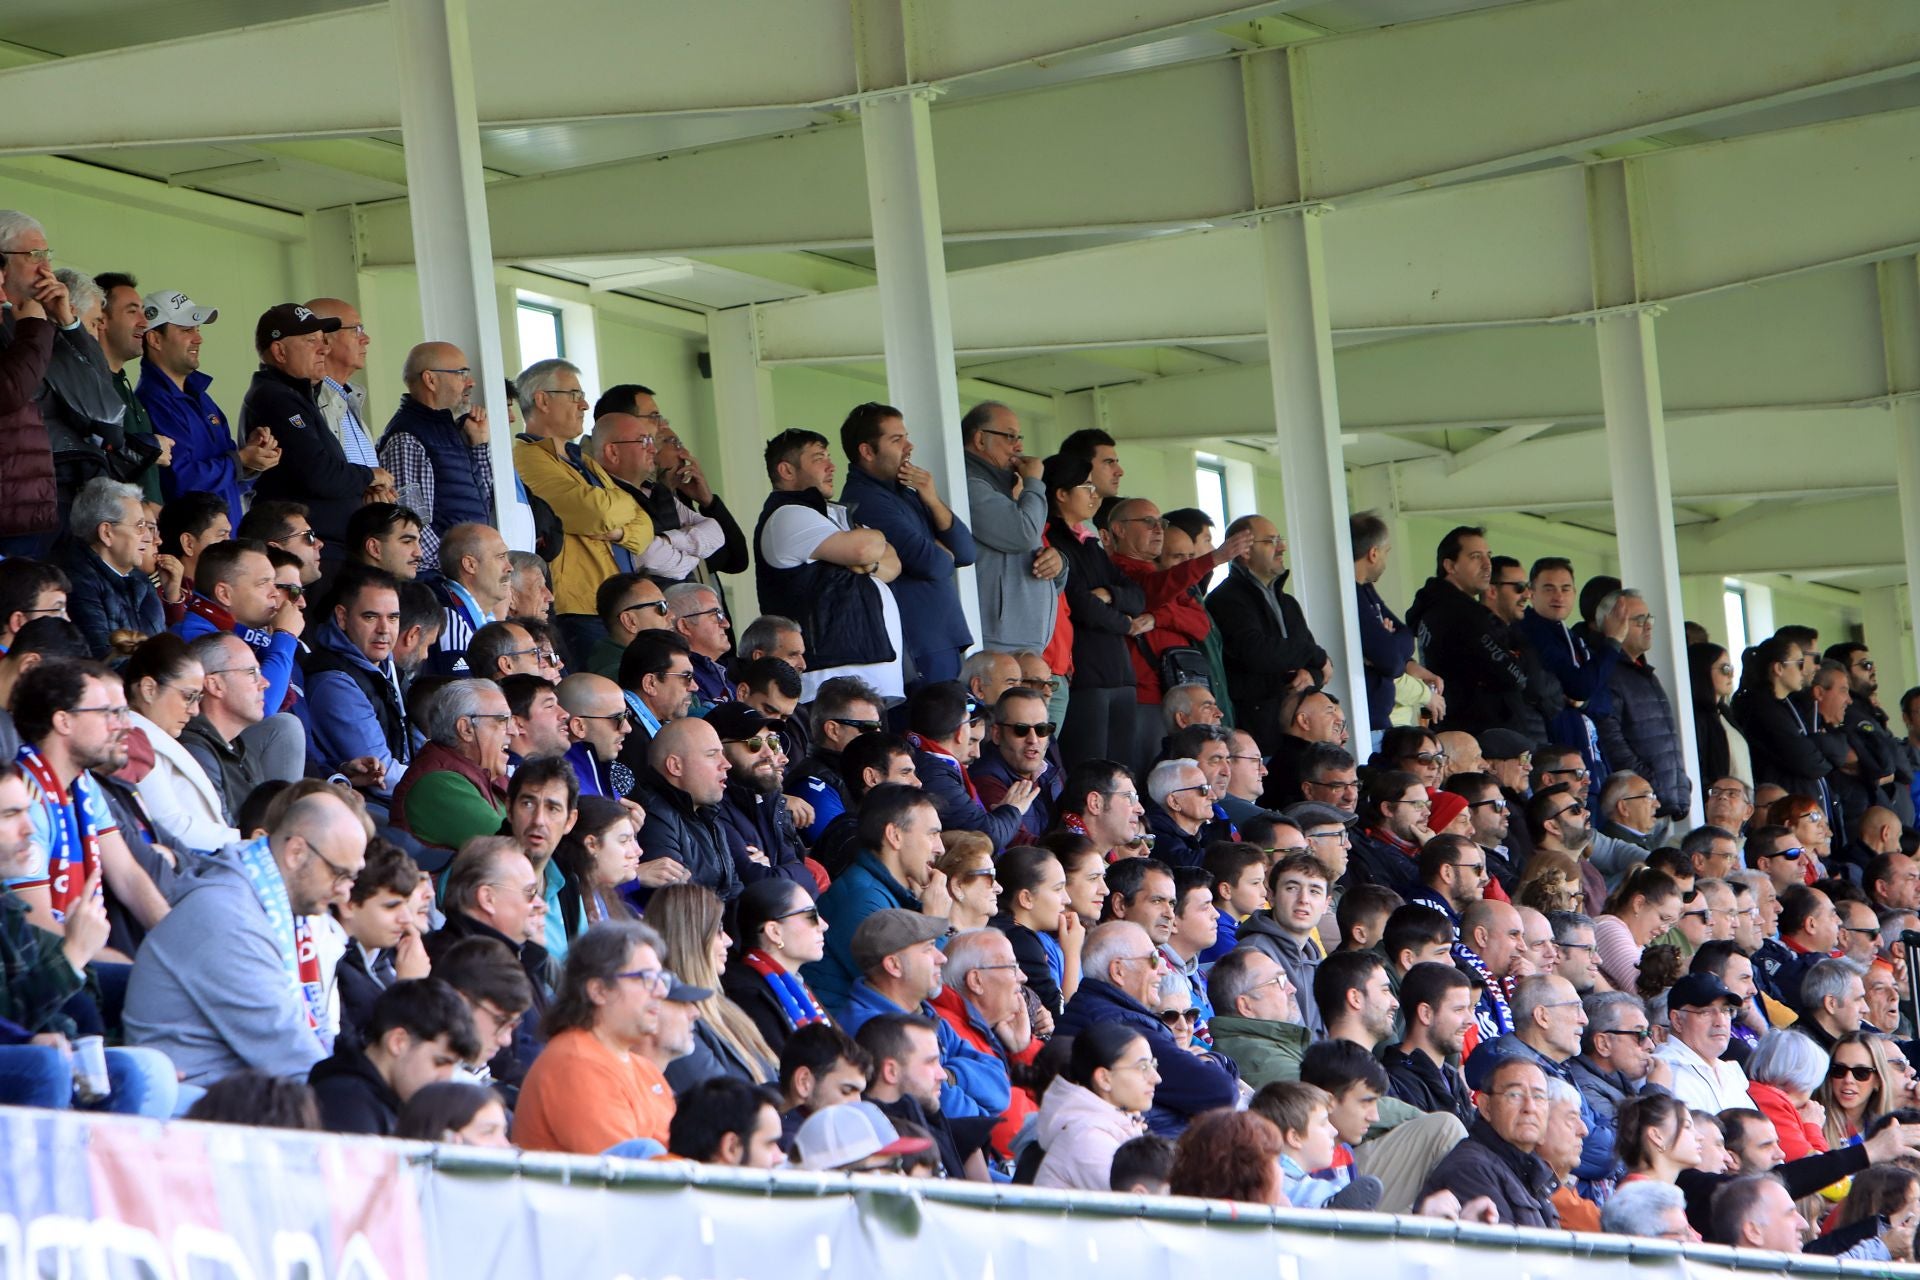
x=1174 y=1017
x=757 y=743
x=1791 y=855
x=1045 y=728
x=864 y=726
x=810 y=914
x=1840 y=1071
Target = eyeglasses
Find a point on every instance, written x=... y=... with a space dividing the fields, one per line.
x=1861 y=930
x=1412 y=804
x=1791 y=855
x=571 y=393
x=1004 y=435
x=1429 y=757
x=1865 y=664
x=1644 y=620
x=1724 y=668
x=1642 y=1034
x=1511 y=586
x=657 y=418
x=119 y=714
x=618 y=718
x=1578 y=771
x=701 y=613
x=1497 y=805
x=1153 y=959
x=1479 y=869
x=546 y=657
x=757 y=743
x=640 y=440
x=340 y=874
x=253 y=671
x=1705 y=916
x=811 y=915
x=1174 y=1017
x=141 y=526
x=1840 y=1071
x=658 y=606
x=686 y=676
x=461 y=372
x=1203 y=786
x=1152 y=522
x=489 y=715
x=358 y=329
x=1338 y=833
x=307 y=536
x=1019 y=730
x=189 y=696
x=1516 y=1096
x=1727 y=793
x=1035 y=682
x=864 y=726
x=1573 y=946
x=1644 y=795
x=292 y=590
x=661 y=980
x=34 y=255
x=1575 y=807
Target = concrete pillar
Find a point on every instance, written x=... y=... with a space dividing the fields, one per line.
x=1307 y=424
x=1900 y=326
x=743 y=422
x=911 y=264
x=453 y=250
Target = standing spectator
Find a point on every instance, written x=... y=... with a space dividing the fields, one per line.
x=456 y=786
x=1107 y=613
x=1641 y=735
x=1020 y=576
x=606 y=527
x=885 y=491
x=292 y=343
x=185 y=418
x=84 y=418
x=1265 y=641
x=1386 y=643
x=813 y=565
x=342 y=404
x=1464 y=642
x=111 y=535
x=1572 y=655
x=40 y=307
x=435 y=446
x=677 y=496
x=230 y=978
x=123 y=328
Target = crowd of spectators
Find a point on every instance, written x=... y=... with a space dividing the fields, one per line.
x=322 y=807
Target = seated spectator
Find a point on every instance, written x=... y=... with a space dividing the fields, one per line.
x=1890 y=1193
x=359 y=723
x=1861 y=1086
x=945 y=727
x=771 y=686
x=1379 y=1136
x=699 y=619
x=1757 y=1212
x=455 y=1113
x=1040 y=923
x=842 y=710
x=165 y=686
x=230 y=978
x=1560 y=1146
x=760 y=835
x=1141 y=890
x=1354 y=997
x=492 y=892
x=1238 y=873
x=727 y=1122
x=415 y=1035
x=258 y=1100
x=966 y=869
x=487 y=974
x=501 y=649
x=1437 y=1003
x=598 y=723
x=1646 y=905
x=656 y=672
x=1653 y=1209
x=780 y=930
x=982 y=1001
x=1807 y=932
x=1094 y=1106
x=595 y=858
x=1701 y=1011
x=283 y=527
x=626 y=604
x=1017 y=751
x=1786 y=1070
x=1498 y=1158
x=29 y=589
x=1415 y=935
x=821 y=1066
x=111 y=534
x=681 y=789
x=234 y=592
x=1141 y=1166
x=1832 y=1000
x=907 y=1085
x=901 y=973
x=899 y=843
x=1229 y=1155
x=385 y=536
x=1655 y=1139
x=530 y=590
x=1195 y=926
x=455 y=788
x=1297 y=887
x=541 y=726
x=726 y=1041
x=593 y=1086
x=1182 y=805
x=1616 y=1063
x=1394 y=810
x=377 y=940
x=1309 y=1142
x=1120 y=984
x=1453 y=875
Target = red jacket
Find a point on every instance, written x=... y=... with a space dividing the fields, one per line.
x=954 y=1011
x=26 y=457
x=1179 y=620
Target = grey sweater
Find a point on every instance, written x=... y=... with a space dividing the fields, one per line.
x=1017 y=610
x=211 y=990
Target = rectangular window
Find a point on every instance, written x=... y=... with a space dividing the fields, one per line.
x=1210 y=482
x=1734 y=599
x=542 y=336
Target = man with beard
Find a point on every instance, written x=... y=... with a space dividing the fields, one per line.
x=1019 y=736
x=1562 y=824
x=1491 y=815
x=753 y=814
x=1865 y=722
x=72 y=717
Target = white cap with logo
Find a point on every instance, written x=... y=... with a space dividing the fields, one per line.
x=176 y=308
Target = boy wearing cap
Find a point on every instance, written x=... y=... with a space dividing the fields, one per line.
x=900 y=965
x=173 y=391
x=292 y=342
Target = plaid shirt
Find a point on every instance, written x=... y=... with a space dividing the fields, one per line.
x=406 y=458
x=35 y=978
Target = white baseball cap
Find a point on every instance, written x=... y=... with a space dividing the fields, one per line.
x=176 y=308
x=835 y=1137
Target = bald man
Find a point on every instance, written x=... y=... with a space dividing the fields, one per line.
x=214 y=986
x=681 y=789
x=1493 y=943
x=598 y=722
x=436 y=445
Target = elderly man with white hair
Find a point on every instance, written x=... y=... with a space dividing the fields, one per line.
x=1182 y=804
x=701 y=620
x=1650 y=1209
x=40 y=308
x=456 y=787
x=111 y=535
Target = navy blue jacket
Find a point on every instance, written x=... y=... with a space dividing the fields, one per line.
x=1386 y=646
x=103 y=601
x=1189 y=1082
x=1171 y=845
x=313 y=466
x=748 y=817
x=457 y=495
x=940 y=779
x=931 y=618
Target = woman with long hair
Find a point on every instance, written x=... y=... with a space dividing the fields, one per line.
x=967 y=865
x=1890 y=1191
x=1655 y=1138
x=726 y=1042
x=1859 y=1087
x=1094 y=1105
x=1723 y=748
x=163 y=682
x=780 y=930
x=1646 y=905
x=457 y=1113
x=1039 y=920
x=600 y=854
x=1086 y=873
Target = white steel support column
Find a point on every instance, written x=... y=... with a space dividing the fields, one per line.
x=916 y=329
x=1312 y=472
x=743 y=420
x=1637 y=461
x=1900 y=327
x=453 y=251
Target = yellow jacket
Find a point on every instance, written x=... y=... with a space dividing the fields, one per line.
x=585 y=561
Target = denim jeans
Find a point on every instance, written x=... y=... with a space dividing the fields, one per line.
x=141 y=1081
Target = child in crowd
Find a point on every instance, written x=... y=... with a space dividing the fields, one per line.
x=1310 y=1144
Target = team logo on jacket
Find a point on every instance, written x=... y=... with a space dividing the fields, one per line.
x=297 y=420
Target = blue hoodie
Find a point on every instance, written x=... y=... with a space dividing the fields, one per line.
x=979 y=1086
x=864 y=888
